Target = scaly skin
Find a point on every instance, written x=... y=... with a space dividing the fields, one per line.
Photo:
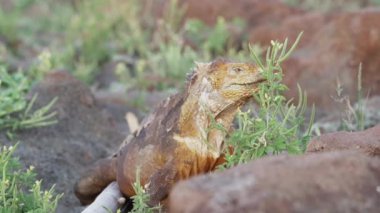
x=177 y=140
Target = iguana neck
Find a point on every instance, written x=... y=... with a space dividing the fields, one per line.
x=200 y=114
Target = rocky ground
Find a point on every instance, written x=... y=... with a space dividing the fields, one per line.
x=340 y=172
x=85 y=132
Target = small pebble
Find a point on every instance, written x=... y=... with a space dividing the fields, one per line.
x=121 y=201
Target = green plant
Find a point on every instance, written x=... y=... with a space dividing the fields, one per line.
x=84 y=36
x=135 y=28
x=352 y=118
x=174 y=57
x=18 y=27
x=375 y=2
x=19 y=192
x=141 y=198
x=10 y=20
x=172 y=60
x=15 y=110
x=276 y=126
x=215 y=40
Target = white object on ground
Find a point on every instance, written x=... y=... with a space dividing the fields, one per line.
x=108 y=201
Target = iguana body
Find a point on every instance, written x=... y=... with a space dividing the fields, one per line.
x=177 y=140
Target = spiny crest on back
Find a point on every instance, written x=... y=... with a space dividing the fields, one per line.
x=198 y=71
x=216 y=64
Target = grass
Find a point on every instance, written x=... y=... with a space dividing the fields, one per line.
x=352 y=117
x=19 y=191
x=16 y=112
x=141 y=198
x=84 y=37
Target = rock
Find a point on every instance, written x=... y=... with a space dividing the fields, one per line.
x=83 y=134
x=290 y=27
x=367 y=141
x=327 y=182
x=254 y=12
x=332 y=47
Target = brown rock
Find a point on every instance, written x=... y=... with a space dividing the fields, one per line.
x=254 y=12
x=367 y=141
x=332 y=47
x=290 y=27
x=327 y=182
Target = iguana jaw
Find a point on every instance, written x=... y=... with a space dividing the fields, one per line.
x=250 y=83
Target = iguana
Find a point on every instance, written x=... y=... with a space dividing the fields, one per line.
x=178 y=139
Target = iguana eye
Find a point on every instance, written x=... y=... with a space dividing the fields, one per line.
x=238 y=69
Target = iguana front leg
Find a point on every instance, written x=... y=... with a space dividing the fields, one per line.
x=95 y=180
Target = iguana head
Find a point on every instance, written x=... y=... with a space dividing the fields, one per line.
x=234 y=80
x=215 y=91
x=221 y=84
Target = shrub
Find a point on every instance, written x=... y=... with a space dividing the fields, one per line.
x=15 y=110
x=141 y=198
x=276 y=126
x=19 y=192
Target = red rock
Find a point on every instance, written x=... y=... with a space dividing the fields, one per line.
x=327 y=182
x=367 y=141
x=332 y=47
x=254 y=12
x=290 y=27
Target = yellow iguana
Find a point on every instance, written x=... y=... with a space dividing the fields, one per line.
x=176 y=141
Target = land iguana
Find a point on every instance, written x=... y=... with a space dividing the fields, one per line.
x=177 y=140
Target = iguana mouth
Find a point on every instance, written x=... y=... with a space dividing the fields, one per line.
x=260 y=80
